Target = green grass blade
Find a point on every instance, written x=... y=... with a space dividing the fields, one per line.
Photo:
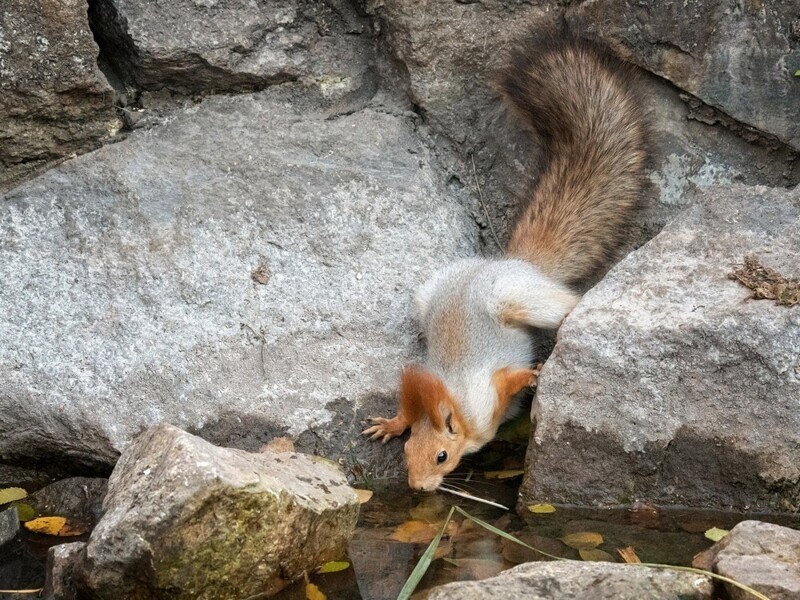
x=511 y=538
x=503 y=534
x=424 y=562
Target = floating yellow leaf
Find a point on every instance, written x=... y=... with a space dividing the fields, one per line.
x=46 y=525
x=583 y=540
x=334 y=566
x=628 y=554
x=25 y=512
x=715 y=534
x=595 y=555
x=430 y=509
x=542 y=509
x=507 y=474
x=419 y=532
x=414 y=532
x=11 y=494
x=314 y=593
x=363 y=495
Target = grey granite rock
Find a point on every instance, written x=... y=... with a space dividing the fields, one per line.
x=763 y=556
x=79 y=499
x=449 y=52
x=54 y=101
x=738 y=58
x=244 y=271
x=668 y=384
x=62 y=563
x=237 y=45
x=185 y=519
x=9 y=524
x=566 y=580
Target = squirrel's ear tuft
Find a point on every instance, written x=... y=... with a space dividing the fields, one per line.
x=421 y=394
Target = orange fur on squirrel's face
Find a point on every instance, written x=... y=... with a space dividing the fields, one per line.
x=439 y=434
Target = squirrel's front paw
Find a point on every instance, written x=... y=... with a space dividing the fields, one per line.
x=535 y=372
x=384 y=429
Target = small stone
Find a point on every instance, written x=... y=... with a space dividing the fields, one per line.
x=9 y=524
x=62 y=562
x=763 y=556
x=566 y=580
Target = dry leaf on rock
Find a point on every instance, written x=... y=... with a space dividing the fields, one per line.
x=507 y=474
x=541 y=509
x=364 y=496
x=419 y=532
x=334 y=566
x=715 y=534
x=314 y=593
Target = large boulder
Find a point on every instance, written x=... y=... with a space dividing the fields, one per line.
x=668 y=383
x=186 y=519
x=244 y=271
x=564 y=580
x=54 y=101
x=740 y=60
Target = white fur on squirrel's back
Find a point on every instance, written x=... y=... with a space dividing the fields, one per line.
x=474 y=314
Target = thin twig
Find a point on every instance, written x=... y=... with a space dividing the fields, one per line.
x=262 y=338
x=483 y=204
x=471 y=497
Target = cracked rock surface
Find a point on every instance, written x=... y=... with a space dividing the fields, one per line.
x=54 y=101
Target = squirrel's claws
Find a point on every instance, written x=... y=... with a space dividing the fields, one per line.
x=383 y=429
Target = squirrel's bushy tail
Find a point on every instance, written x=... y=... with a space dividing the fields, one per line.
x=584 y=105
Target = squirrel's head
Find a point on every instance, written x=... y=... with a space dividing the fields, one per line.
x=440 y=435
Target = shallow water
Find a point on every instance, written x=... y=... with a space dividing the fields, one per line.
x=380 y=565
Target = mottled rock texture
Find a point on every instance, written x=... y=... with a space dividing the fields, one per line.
x=62 y=562
x=668 y=383
x=244 y=271
x=186 y=519
x=9 y=524
x=54 y=101
x=737 y=57
x=449 y=51
x=569 y=579
x=764 y=556
x=79 y=499
x=237 y=45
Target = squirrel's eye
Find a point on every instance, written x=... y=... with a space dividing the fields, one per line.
x=441 y=457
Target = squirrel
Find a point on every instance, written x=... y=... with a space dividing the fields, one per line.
x=478 y=314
